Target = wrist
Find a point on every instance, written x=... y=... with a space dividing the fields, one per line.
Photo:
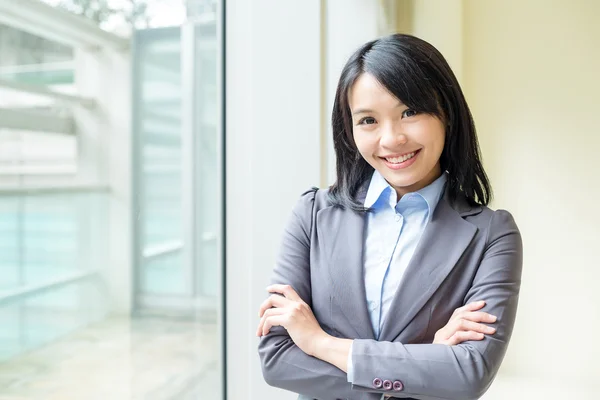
x=321 y=344
x=333 y=350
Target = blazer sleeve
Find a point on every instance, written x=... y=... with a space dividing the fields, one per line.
x=284 y=365
x=465 y=371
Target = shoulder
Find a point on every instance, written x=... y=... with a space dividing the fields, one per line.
x=312 y=200
x=494 y=223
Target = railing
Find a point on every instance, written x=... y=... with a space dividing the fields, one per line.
x=9 y=296
x=62 y=72
x=45 y=91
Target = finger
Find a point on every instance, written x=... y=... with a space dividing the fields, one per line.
x=268 y=313
x=443 y=334
x=466 y=325
x=479 y=316
x=464 y=336
x=285 y=290
x=473 y=306
x=276 y=320
x=274 y=300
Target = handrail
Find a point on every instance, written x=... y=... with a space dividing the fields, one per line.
x=58 y=25
x=56 y=189
x=46 y=91
x=8 y=296
x=40 y=67
x=162 y=249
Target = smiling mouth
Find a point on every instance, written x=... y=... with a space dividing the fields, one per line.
x=402 y=158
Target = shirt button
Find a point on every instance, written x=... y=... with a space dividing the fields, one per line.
x=398 y=217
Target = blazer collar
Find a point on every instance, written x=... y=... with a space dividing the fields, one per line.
x=460 y=204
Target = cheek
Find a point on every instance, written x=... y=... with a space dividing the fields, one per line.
x=364 y=145
x=439 y=141
x=432 y=137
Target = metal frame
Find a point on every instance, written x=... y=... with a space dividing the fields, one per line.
x=58 y=25
x=221 y=162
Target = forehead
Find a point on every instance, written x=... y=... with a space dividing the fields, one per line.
x=369 y=92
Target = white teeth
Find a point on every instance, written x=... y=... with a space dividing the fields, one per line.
x=398 y=160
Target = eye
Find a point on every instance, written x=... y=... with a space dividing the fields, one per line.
x=367 y=121
x=409 y=113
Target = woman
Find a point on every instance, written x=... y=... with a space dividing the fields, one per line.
x=377 y=284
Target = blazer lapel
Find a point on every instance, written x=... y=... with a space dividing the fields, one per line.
x=344 y=229
x=444 y=241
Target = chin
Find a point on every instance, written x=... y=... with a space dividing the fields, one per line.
x=402 y=182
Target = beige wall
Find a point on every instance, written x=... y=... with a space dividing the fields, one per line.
x=530 y=70
x=441 y=23
x=531 y=75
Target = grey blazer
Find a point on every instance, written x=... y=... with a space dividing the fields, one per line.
x=465 y=254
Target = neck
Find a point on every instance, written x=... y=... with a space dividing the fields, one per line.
x=435 y=173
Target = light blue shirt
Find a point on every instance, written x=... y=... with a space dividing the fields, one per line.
x=394 y=229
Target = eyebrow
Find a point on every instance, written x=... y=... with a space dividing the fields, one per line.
x=369 y=111
x=362 y=111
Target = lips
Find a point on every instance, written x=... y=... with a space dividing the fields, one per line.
x=405 y=160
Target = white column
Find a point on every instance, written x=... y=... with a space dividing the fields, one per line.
x=272 y=151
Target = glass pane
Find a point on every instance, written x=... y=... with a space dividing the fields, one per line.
x=113 y=293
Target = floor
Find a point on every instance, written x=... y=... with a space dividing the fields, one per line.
x=148 y=358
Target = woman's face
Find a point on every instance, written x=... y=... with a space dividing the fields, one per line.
x=403 y=145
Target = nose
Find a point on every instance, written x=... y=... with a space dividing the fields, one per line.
x=391 y=138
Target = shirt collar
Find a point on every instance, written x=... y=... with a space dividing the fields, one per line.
x=433 y=192
x=377 y=187
x=381 y=192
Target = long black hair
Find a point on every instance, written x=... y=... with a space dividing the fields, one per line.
x=418 y=75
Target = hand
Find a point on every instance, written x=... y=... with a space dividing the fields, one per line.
x=291 y=312
x=463 y=325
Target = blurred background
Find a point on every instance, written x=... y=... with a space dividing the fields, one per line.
x=151 y=151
